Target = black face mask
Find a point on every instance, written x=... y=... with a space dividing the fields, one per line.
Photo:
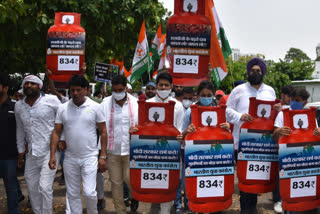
x=255 y=78
x=178 y=93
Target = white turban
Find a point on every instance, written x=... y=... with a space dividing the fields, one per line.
x=129 y=86
x=34 y=79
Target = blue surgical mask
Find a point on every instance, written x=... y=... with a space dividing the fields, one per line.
x=206 y=101
x=296 y=105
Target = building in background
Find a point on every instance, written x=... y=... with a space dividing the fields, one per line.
x=316 y=73
x=235 y=54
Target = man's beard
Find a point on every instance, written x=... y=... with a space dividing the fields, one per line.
x=30 y=92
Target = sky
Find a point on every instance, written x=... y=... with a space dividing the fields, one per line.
x=269 y=27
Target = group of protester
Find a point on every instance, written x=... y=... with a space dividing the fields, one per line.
x=95 y=137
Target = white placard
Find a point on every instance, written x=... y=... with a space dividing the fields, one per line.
x=193 y=3
x=68 y=63
x=68 y=19
x=258 y=170
x=186 y=64
x=209 y=117
x=154 y=179
x=210 y=186
x=264 y=110
x=156 y=114
x=303 y=187
x=300 y=120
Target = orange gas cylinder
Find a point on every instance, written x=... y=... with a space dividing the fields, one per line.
x=188 y=43
x=299 y=162
x=257 y=166
x=155 y=154
x=209 y=161
x=65 y=46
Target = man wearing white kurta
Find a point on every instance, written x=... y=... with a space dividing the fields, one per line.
x=78 y=118
x=164 y=86
x=35 y=116
x=121 y=112
x=237 y=114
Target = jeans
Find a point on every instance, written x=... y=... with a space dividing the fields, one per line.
x=126 y=192
x=8 y=172
x=178 y=200
x=248 y=203
x=276 y=193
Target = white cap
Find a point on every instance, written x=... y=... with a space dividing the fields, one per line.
x=129 y=86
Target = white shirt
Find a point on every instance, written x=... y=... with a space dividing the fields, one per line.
x=79 y=126
x=35 y=124
x=279 y=119
x=178 y=110
x=121 y=122
x=238 y=104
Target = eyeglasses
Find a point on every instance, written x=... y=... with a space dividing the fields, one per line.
x=255 y=70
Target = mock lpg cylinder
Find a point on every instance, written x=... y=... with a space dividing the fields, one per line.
x=209 y=171
x=257 y=166
x=65 y=46
x=299 y=161
x=188 y=42
x=155 y=154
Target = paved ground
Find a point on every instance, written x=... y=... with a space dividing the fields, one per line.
x=264 y=201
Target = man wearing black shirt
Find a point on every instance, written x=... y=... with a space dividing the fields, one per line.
x=8 y=151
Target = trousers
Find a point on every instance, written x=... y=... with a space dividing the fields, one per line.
x=76 y=170
x=39 y=178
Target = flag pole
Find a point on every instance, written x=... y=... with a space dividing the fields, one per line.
x=230 y=58
x=149 y=67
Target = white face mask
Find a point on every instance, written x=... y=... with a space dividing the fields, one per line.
x=119 y=96
x=186 y=103
x=163 y=94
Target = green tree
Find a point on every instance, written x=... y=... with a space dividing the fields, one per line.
x=296 y=54
x=112 y=28
x=296 y=66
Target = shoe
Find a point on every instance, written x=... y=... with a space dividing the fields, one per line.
x=126 y=202
x=134 y=205
x=29 y=203
x=101 y=204
x=20 y=198
x=277 y=207
x=179 y=211
x=62 y=181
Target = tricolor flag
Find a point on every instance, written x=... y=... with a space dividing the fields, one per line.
x=122 y=69
x=127 y=74
x=220 y=48
x=162 y=61
x=141 y=61
x=155 y=45
x=155 y=74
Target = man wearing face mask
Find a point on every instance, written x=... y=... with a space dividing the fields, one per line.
x=206 y=93
x=299 y=98
x=286 y=93
x=237 y=113
x=187 y=97
x=164 y=86
x=121 y=111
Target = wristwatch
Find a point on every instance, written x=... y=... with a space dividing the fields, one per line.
x=103 y=157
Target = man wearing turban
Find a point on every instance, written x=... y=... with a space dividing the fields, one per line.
x=237 y=113
x=35 y=116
